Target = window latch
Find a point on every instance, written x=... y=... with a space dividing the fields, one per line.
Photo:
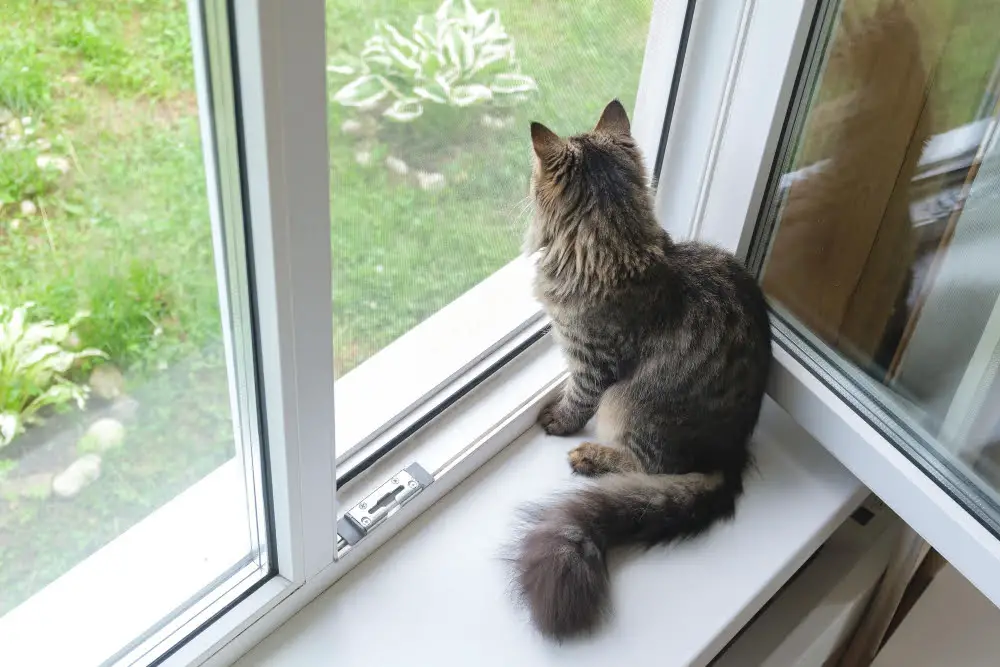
x=385 y=501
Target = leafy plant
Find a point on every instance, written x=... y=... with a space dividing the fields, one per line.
x=459 y=57
x=34 y=360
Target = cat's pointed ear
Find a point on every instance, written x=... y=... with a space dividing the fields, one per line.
x=614 y=120
x=546 y=143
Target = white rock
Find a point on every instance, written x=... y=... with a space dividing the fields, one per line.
x=104 y=434
x=61 y=164
x=78 y=475
x=351 y=126
x=28 y=208
x=496 y=122
x=397 y=166
x=106 y=381
x=430 y=180
x=15 y=223
x=363 y=158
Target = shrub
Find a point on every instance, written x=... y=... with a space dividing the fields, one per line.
x=459 y=57
x=34 y=361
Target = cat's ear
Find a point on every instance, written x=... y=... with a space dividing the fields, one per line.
x=546 y=143
x=614 y=120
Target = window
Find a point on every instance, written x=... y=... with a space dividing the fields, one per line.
x=849 y=160
x=877 y=234
x=217 y=216
x=127 y=376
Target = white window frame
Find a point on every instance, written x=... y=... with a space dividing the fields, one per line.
x=735 y=148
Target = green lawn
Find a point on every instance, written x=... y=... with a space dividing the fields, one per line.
x=105 y=90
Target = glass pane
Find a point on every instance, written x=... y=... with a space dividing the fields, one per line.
x=117 y=456
x=430 y=104
x=881 y=234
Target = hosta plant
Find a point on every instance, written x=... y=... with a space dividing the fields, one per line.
x=35 y=358
x=459 y=57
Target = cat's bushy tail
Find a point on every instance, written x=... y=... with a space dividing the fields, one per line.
x=559 y=562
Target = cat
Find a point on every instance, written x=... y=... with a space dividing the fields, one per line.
x=668 y=343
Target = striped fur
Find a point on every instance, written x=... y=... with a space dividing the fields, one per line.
x=669 y=343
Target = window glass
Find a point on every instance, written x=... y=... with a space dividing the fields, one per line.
x=430 y=103
x=115 y=395
x=882 y=227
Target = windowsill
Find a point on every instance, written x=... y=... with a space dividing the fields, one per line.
x=677 y=605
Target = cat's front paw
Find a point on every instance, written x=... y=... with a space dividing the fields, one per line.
x=586 y=460
x=554 y=421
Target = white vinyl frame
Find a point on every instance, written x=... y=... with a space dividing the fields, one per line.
x=280 y=60
x=737 y=146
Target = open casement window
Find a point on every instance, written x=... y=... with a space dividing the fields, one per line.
x=354 y=318
x=851 y=158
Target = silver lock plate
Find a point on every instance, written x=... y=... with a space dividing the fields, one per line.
x=382 y=503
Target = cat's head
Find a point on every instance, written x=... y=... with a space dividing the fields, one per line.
x=591 y=192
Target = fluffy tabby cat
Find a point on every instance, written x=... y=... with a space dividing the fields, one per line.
x=668 y=343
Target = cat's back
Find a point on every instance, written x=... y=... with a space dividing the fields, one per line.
x=711 y=277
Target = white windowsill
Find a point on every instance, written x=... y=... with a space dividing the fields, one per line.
x=440 y=589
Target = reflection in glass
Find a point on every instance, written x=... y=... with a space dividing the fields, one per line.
x=883 y=232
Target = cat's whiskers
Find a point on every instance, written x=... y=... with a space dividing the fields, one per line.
x=522 y=217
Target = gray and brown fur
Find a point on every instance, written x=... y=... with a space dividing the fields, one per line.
x=668 y=343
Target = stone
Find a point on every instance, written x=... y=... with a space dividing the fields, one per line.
x=364 y=158
x=28 y=208
x=496 y=122
x=351 y=126
x=103 y=434
x=430 y=180
x=397 y=166
x=60 y=164
x=107 y=381
x=77 y=476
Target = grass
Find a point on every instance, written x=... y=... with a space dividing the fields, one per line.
x=400 y=253
x=107 y=87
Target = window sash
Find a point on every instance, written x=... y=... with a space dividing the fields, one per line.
x=736 y=148
x=280 y=60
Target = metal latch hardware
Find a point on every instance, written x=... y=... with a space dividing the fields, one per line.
x=385 y=501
